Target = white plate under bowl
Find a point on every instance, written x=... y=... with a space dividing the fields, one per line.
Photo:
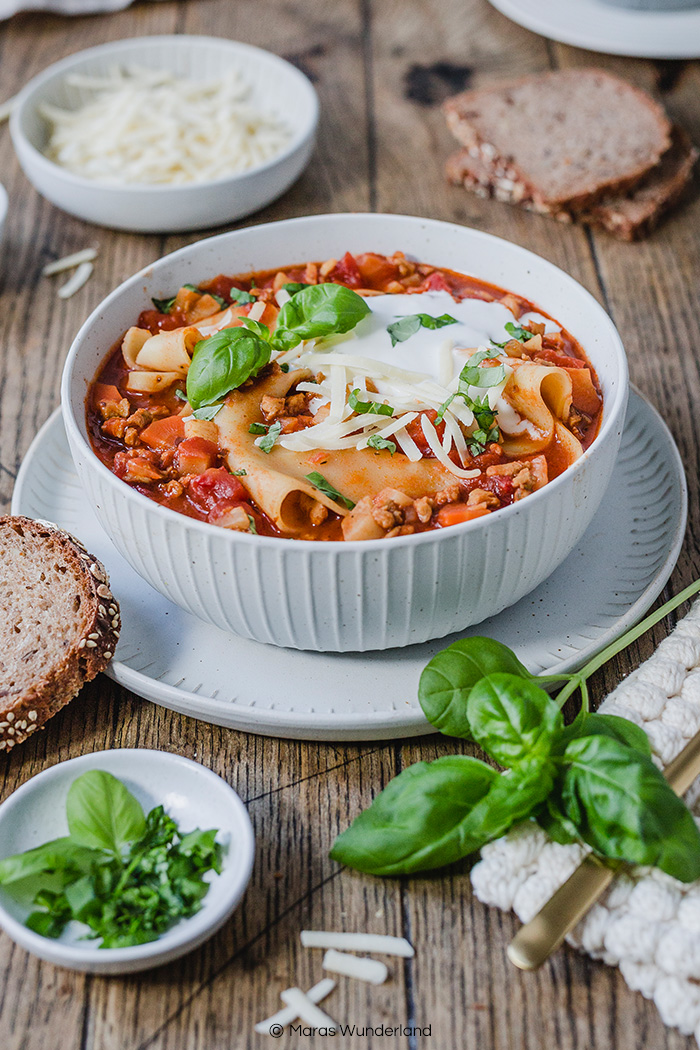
x=174 y=659
x=192 y=795
x=611 y=30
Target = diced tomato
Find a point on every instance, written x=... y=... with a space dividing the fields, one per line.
x=454 y=513
x=346 y=272
x=215 y=487
x=156 y=322
x=195 y=455
x=415 y=430
x=163 y=433
x=436 y=283
x=376 y=270
x=558 y=357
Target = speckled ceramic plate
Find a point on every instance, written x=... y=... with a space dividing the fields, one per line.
x=172 y=658
x=609 y=29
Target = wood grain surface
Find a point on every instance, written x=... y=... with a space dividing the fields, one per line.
x=381 y=68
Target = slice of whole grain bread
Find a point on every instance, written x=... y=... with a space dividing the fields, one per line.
x=59 y=623
x=628 y=217
x=568 y=137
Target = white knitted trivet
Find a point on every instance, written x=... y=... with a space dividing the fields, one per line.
x=648 y=924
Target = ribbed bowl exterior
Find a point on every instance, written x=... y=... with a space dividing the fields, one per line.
x=338 y=597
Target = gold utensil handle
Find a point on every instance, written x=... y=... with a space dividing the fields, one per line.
x=537 y=939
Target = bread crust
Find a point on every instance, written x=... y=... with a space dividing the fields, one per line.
x=459 y=112
x=22 y=713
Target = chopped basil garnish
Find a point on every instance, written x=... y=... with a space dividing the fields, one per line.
x=284 y=367
x=252 y=526
x=320 y=483
x=405 y=327
x=207 y=412
x=257 y=428
x=164 y=306
x=267 y=443
x=368 y=406
x=473 y=375
x=240 y=296
x=180 y=394
x=380 y=443
x=515 y=331
x=292 y=287
x=239 y=473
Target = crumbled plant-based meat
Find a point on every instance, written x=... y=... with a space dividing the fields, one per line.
x=482 y=498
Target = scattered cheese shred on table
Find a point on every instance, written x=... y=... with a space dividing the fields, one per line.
x=371 y=970
x=69 y=261
x=358 y=942
x=306 y=1009
x=150 y=127
x=76 y=282
x=289 y=1014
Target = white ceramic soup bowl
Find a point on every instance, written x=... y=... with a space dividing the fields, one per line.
x=339 y=597
x=277 y=87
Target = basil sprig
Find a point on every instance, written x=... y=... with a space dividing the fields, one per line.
x=592 y=781
x=128 y=876
x=319 y=482
x=224 y=361
x=405 y=327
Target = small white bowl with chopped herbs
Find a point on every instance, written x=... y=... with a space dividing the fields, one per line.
x=114 y=883
x=164 y=134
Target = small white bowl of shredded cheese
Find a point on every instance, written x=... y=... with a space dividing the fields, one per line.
x=165 y=133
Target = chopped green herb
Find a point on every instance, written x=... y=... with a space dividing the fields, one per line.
x=180 y=394
x=515 y=331
x=257 y=428
x=284 y=367
x=127 y=876
x=164 y=306
x=320 y=483
x=473 y=374
x=292 y=287
x=368 y=406
x=240 y=296
x=207 y=412
x=239 y=473
x=253 y=526
x=405 y=327
x=268 y=442
x=378 y=442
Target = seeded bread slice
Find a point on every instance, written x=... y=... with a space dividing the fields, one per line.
x=568 y=137
x=59 y=623
x=628 y=217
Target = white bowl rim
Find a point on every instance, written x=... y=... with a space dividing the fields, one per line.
x=193 y=930
x=25 y=100
x=614 y=401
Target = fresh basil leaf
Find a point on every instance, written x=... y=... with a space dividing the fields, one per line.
x=164 y=306
x=59 y=855
x=377 y=407
x=515 y=331
x=251 y=523
x=240 y=296
x=513 y=719
x=101 y=812
x=320 y=309
x=557 y=825
x=320 y=483
x=475 y=375
x=378 y=442
x=620 y=729
x=258 y=327
x=268 y=442
x=625 y=809
x=292 y=287
x=450 y=676
x=222 y=363
x=405 y=327
x=257 y=428
x=417 y=822
x=208 y=412
x=53 y=921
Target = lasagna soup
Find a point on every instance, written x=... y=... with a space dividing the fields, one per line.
x=350 y=399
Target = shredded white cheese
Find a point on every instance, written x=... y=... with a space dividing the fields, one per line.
x=76 y=282
x=307 y=1010
x=150 y=127
x=357 y=942
x=371 y=970
x=284 y=1017
x=69 y=261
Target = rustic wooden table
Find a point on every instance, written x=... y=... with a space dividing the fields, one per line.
x=381 y=67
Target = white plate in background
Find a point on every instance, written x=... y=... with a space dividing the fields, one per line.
x=172 y=658
x=611 y=30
